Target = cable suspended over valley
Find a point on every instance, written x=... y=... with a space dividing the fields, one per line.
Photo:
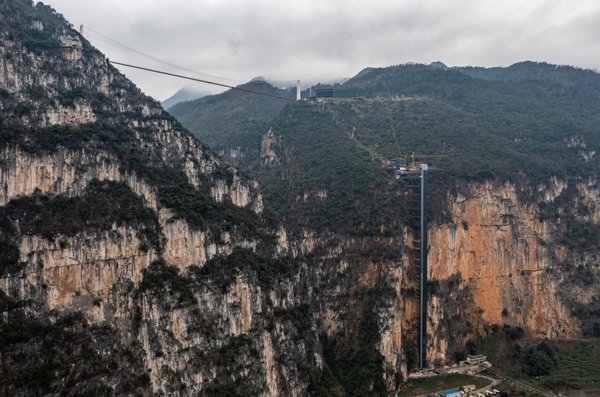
x=117 y=43
x=203 y=81
x=108 y=39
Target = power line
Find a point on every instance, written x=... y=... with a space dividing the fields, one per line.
x=202 y=81
x=118 y=43
x=522 y=384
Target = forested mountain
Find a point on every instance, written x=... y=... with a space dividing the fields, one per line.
x=513 y=192
x=489 y=122
x=232 y=123
x=135 y=261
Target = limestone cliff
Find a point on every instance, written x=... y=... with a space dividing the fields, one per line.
x=121 y=232
x=517 y=254
x=117 y=225
x=515 y=262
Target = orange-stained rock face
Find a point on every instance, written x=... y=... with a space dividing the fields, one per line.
x=507 y=258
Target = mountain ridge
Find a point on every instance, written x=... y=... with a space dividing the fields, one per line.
x=122 y=232
x=233 y=116
x=116 y=228
x=182 y=95
x=513 y=181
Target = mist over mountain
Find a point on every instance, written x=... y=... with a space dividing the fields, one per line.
x=246 y=244
x=182 y=95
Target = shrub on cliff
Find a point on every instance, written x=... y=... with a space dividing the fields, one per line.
x=513 y=333
x=160 y=279
x=539 y=360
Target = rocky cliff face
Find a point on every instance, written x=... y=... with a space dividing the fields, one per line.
x=505 y=253
x=121 y=231
x=500 y=259
x=516 y=264
x=110 y=209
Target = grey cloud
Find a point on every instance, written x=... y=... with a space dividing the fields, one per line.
x=324 y=40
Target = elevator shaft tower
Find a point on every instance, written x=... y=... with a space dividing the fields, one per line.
x=415 y=182
x=423 y=270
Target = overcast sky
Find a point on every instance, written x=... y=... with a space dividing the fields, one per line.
x=323 y=40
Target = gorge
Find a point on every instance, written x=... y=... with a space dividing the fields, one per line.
x=134 y=260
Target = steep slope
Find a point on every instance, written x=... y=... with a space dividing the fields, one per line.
x=232 y=123
x=120 y=231
x=132 y=259
x=513 y=199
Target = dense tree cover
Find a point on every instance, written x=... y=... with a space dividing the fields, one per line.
x=525 y=123
x=550 y=364
x=161 y=279
x=487 y=128
x=537 y=120
x=358 y=373
x=528 y=70
x=102 y=205
x=357 y=193
x=539 y=359
x=540 y=124
x=21 y=28
x=65 y=354
x=223 y=270
x=233 y=119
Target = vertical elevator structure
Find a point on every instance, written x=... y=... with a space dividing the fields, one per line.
x=423 y=270
x=415 y=183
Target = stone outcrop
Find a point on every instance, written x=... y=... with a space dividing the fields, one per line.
x=198 y=327
x=208 y=293
x=513 y=262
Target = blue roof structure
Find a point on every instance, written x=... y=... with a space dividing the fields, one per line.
x=450 y=393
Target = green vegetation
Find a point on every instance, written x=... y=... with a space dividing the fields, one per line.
x=9 y=246
x=223 y=270
x=64 y=354
x=438 y=383
x=489 y=129
x=102 y=205
x=134 y=147
x=229 y=353
x=578 y=366
x=16 y=17
x=550 y=364
x=361 y=195
x=356 y=374
x=7 y=303
x=299 y=315
x=525 y=124
x=174 y=190
x=232 y=119
x=162 y=280
x=37 y=31
x=569 y=210
x=239 y=375
x=220 y=271
x=353 y=365
x=68 y=98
